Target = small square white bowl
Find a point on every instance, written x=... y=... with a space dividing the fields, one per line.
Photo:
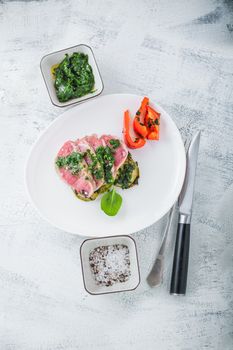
x=89 y=282
x=56 y=57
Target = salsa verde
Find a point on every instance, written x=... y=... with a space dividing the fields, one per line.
x=73 y=77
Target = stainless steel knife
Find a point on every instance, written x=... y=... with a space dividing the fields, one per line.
x=181 y=254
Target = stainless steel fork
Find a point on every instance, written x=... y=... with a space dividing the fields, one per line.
x=155 y=277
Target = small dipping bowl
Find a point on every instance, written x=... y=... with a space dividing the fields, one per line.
x=54 y=58
x=90 y=283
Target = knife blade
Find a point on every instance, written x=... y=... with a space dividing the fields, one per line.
x=181 y=254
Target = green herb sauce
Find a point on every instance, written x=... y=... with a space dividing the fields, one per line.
x=73 y=77
x=114 y=143
x=73 y=162
x=106 y=159
x=125 y=175
x=95 y=166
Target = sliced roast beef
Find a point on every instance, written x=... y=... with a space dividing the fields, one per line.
x=79 y=182
x=66 y=149
x=84 y=187
x=95 y=142
x=120 y=152
x=92 y=161
x=82 y=180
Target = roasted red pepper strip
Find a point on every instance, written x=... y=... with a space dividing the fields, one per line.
x=139 y=127
x=153 y=135
x=152 y=121
x=138 y=123
x=138 y=142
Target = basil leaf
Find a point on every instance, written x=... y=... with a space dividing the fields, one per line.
x=111 y=203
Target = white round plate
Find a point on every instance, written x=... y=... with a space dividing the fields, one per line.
x=162 y=168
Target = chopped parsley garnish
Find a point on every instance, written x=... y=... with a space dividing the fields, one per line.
x=71 y=162
x=125 y=175
x=60 y=162
x=114 y=143
x=95 y=166
x=152 y=122
x=106 y=158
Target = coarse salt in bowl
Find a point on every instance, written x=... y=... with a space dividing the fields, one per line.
x=110 y=264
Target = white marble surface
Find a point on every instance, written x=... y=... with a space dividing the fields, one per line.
x=179 y=53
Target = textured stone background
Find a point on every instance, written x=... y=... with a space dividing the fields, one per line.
x=179 y=53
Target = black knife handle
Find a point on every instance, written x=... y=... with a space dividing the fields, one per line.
x=180 y=260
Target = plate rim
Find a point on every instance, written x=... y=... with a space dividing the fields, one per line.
x=85 y=232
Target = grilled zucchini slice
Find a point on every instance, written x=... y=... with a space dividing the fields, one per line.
x=128 y=174
x=102 y=189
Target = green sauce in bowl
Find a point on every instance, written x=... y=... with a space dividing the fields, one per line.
x=73 y=77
